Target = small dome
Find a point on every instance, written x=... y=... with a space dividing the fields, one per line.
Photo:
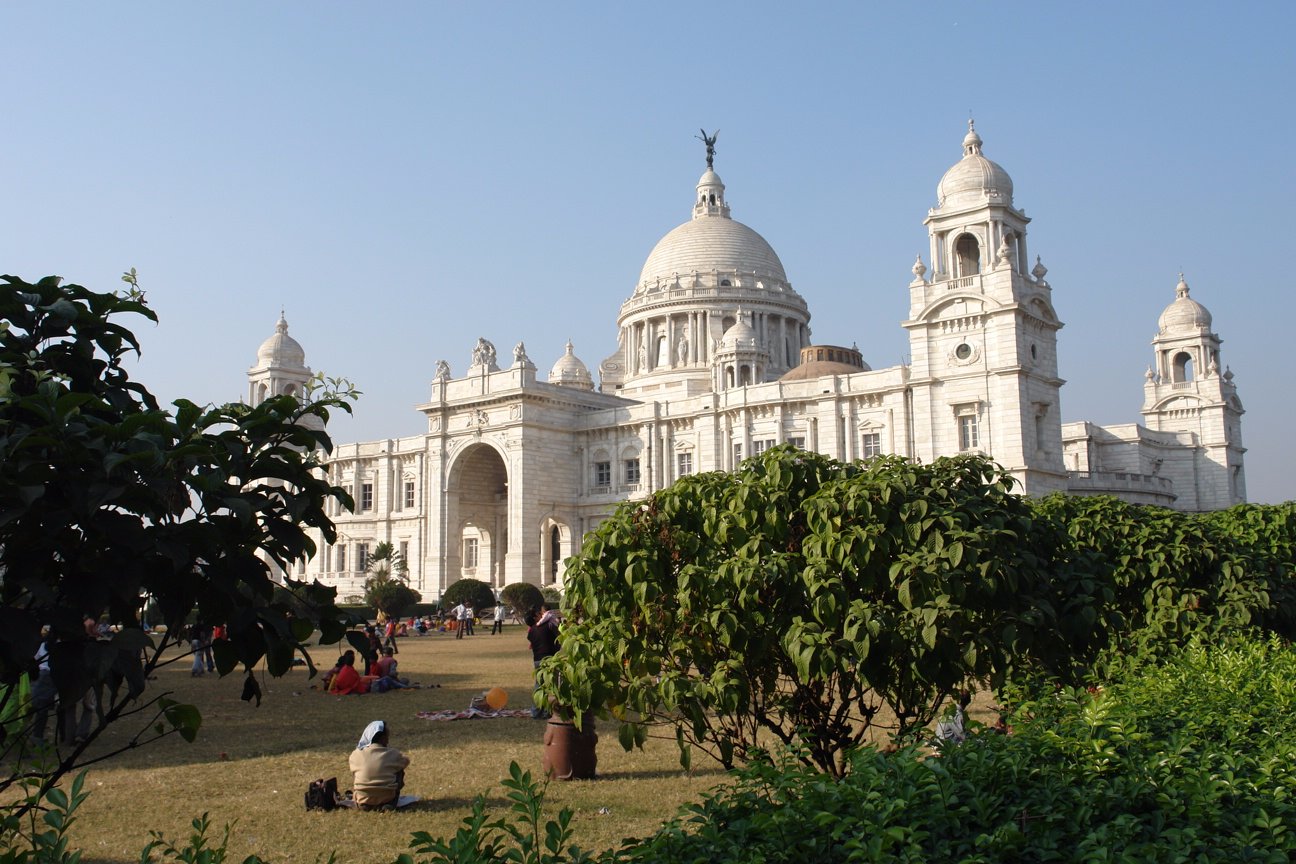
x=739 y=337
x=820 y=360
x=974 y=179
x=1184 y=313
x=281 y=349
x=569 y=371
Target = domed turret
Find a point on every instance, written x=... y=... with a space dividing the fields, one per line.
x=1185 y=313
x=281 y=349
x=569 y=371
x=974 y=180
x=739 y=337
x=280 y=367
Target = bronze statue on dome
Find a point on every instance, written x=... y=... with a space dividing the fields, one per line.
x=709 y=141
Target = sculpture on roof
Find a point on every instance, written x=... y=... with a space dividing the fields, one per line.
x=442 y=371
x=483 y=353
x=709 y=141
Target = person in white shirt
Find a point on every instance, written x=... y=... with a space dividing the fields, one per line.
x=460 y=614
x=498 y=623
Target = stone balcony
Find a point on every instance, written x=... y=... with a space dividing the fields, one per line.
x=1135 y=488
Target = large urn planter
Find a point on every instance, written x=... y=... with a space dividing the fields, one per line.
x=569 y=753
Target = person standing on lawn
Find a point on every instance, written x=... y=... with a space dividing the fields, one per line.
x=542 y=633
x=497 y=625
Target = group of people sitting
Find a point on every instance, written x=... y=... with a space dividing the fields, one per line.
x=344 y=679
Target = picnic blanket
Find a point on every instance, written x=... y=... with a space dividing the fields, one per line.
x=473 y=714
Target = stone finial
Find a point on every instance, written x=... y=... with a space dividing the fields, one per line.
x=1005 y=251
x=919 y=268
x=1228 y=374
x=1039 y=271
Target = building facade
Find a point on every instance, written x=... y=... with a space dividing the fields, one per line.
x=715 y=363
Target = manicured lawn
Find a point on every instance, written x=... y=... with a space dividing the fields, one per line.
x=250 y=766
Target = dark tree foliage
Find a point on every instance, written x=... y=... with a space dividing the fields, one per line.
x=109 y=501
x=476 y=592
x=521 y=596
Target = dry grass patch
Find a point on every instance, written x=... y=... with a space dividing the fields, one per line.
x=250 y=766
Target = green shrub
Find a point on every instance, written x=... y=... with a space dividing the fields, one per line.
x=521 y=596
x=476 y=592
x=1193 y=761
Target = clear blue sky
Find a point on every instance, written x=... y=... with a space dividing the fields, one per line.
x=405 y=177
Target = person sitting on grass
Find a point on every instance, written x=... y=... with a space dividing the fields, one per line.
x=347 y=680
x=379 y=770
x=384 y=670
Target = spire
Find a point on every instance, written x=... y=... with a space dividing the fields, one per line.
x=1181 y=290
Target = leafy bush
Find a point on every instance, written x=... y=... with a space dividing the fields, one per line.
x=521 y=596
x=1157 y=577
x=804 y=598
x=390 y=595
x=1194 y=761
x=476 y=592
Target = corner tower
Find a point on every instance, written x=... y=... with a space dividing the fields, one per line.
x=983 y=332
x=1186 y=392
x=280 y=367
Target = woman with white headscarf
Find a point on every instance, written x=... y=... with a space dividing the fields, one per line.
x=379 y=770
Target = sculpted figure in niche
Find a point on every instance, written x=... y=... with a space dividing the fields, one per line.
x=682 y=350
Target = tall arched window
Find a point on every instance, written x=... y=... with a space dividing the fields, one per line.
x=967 y=251
x=555 y=553
x=1182 y=368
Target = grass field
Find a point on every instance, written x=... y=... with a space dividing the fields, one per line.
x=250 y=766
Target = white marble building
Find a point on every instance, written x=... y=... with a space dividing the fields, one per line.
x=715 y=363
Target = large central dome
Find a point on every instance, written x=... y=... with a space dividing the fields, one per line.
x=711 y=241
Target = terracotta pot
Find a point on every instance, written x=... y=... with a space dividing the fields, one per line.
x=569 y=753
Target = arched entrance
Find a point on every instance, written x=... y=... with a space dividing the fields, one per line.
x=477 y=511
x=555 y=547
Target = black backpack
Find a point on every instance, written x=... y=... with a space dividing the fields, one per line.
x=322 y=794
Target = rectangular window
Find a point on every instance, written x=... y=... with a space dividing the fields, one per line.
x=602 y=473
x=362 y=555
x=969 y=432
x=871 y=445
x=684 y=463
x=631 y=472
x=470 y=553
x=759 y=447
x=409 y=494
x=797 y=441
x=404 y=553
x=341 y=558
x=737 y=451
x=366 y=497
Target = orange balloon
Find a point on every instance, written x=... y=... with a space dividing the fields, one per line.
x=496 y=698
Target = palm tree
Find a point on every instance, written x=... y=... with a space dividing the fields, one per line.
x=385 y=562
x=386 y=589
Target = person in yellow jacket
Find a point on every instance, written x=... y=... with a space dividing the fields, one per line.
x=379 y=770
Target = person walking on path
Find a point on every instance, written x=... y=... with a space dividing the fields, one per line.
x=497 y=626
